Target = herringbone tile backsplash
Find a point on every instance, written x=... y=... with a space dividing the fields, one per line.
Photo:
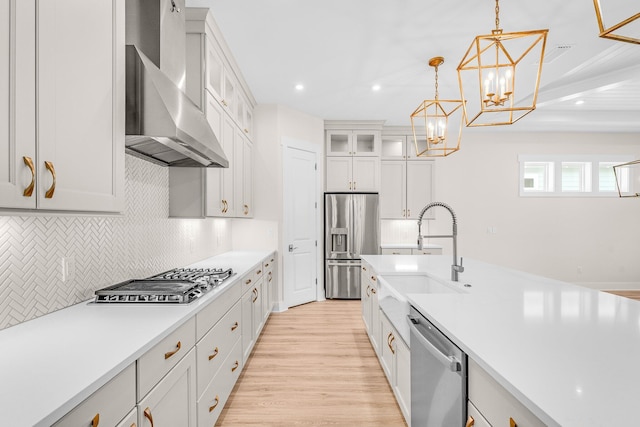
x=101 y=250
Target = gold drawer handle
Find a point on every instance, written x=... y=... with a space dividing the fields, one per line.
x=373 y=278
x=246 y=130
x=171 y=353
x=368 y=288
x=512 y=423
x=390 y=340
x=28 y=192
x=212 y=407
x=364 y=268
x=255 y=292
x=248 y=282
x=271 y=259
x=373 y=291
x=235 y=326
x=224 y=103
x=133 y=425
x=266 y=265
x=95 y=421
x=235 y=366
x=470 y=422
x=246 y=209
x=52 y=189
x=215 y=353
x=259 y=272
x=147 y=415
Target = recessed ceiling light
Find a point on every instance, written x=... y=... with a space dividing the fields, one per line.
x=375 y=88
x=579 y=102
x=299 y=87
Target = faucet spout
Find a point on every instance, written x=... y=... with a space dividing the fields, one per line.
x=455 y=268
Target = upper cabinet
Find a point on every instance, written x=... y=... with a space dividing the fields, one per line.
x=215 y=84
x=353 y=143
x=62 y=105
x=401 y=147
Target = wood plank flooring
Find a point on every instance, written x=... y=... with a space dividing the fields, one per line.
x=633 y=294
x=313 y=366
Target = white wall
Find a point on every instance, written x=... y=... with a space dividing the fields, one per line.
x=272 y=124
x=591 y=241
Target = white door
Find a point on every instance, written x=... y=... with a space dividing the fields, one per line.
x=301 y=225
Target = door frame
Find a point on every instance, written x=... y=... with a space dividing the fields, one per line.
x=291 y=143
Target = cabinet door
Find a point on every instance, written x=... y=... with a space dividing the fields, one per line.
x=339 y=171
x=366 y=143
x=375 y=316
x=220 y=182
x=214 y=69
x=256 y=301
x=393 y=148
x=411 y=148
x=365 y=303
x=244 y=176
x=247 y=324
x=17 y=103
x=419 y=188
x=366 y=174
x=80 y=111
x=388 y=349
x=402 y=386
x=393 y=190
x=339 y=143
x=172 y=402
x=230 y=99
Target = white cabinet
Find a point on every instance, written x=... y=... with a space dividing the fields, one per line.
x=401 y=147
x=243 y=176
x=395 y=359
x=353 y=143
x=107 y=406
x=172 y=402
x=62 y=115
x=370 y=307
x=427 y=251
x=396 y=251
x=497 y=406
x=352 y=174
x=406 y=187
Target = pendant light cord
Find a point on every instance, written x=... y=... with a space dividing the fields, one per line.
x=436 y=67
x=497 y=16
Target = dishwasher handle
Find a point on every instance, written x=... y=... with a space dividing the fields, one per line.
x=451 y=361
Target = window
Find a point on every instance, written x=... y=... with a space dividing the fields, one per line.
x=570 y=175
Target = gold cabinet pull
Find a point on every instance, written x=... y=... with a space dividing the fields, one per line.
x=373 y=278
x=95 y=421
x=512 y=422
x=235 y=326
x=390 y=340
x=224 y=103
x=259 y=272
x=28 y=192
x=52 y=189
x=247 y=282
x=235 y=366
x=368 y=294
x=354 y=185
x=215 y=403
x=349 y=185
x=255 y=292
x=147 y=415
x=133 y=425
x=171 y=353
x=470 y=422
x=246 y=209
x=215 y=353
x=364 y=268
x=373 y=291
x=271 y=259
x=409 y=213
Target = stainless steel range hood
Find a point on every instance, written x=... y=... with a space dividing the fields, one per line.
x=162 y=124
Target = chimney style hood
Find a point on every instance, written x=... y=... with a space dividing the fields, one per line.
x=162 y=124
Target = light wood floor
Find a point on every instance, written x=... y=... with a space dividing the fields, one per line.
x=633 y=294
x=313 y=365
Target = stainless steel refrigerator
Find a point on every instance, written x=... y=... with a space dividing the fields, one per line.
x=352 y=228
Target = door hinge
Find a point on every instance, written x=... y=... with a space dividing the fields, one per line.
x=316 y=243
x=315 y=166
x=316 y=280
x=316 y=205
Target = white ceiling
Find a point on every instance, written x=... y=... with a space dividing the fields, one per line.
x=340 y=48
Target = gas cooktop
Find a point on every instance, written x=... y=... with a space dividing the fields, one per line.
x=178 y=286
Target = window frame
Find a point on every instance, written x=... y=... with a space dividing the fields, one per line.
x=557 y=161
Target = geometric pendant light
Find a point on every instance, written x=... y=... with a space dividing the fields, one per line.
x=627 y=177
x=432 y=121
x=626 y=30
x=499 y=75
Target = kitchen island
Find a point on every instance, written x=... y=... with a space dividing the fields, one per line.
x=567 y=353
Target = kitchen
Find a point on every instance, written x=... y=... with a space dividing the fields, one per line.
x=55 y=260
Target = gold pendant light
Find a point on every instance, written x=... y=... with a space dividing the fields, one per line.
x=433 y=118
x=614 y=31
x=487 y=75
x=628 y=178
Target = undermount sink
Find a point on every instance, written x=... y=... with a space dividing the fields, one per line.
x=392 y=296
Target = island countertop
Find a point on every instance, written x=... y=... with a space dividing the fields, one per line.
x=568 y=353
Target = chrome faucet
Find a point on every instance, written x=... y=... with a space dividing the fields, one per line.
x=455 y=268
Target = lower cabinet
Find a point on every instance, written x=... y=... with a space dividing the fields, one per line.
x=493 y=404
x=107 y=406
x=395 y=359
x=172 y=402
x=369 y=302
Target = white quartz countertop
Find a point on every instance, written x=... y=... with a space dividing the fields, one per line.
x=568 y=353
x=50 y=364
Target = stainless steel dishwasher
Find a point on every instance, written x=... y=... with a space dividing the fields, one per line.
x=438 y=376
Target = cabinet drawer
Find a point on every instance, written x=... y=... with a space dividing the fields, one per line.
x=478 y=419
x=154 y=364
x=396 y=251
x=130 y=420
x=111 y=403
x=257 y=272
x=214 y=348
x=495 y=403
x=268 y=264
x=217 y=392
x=211 y=314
